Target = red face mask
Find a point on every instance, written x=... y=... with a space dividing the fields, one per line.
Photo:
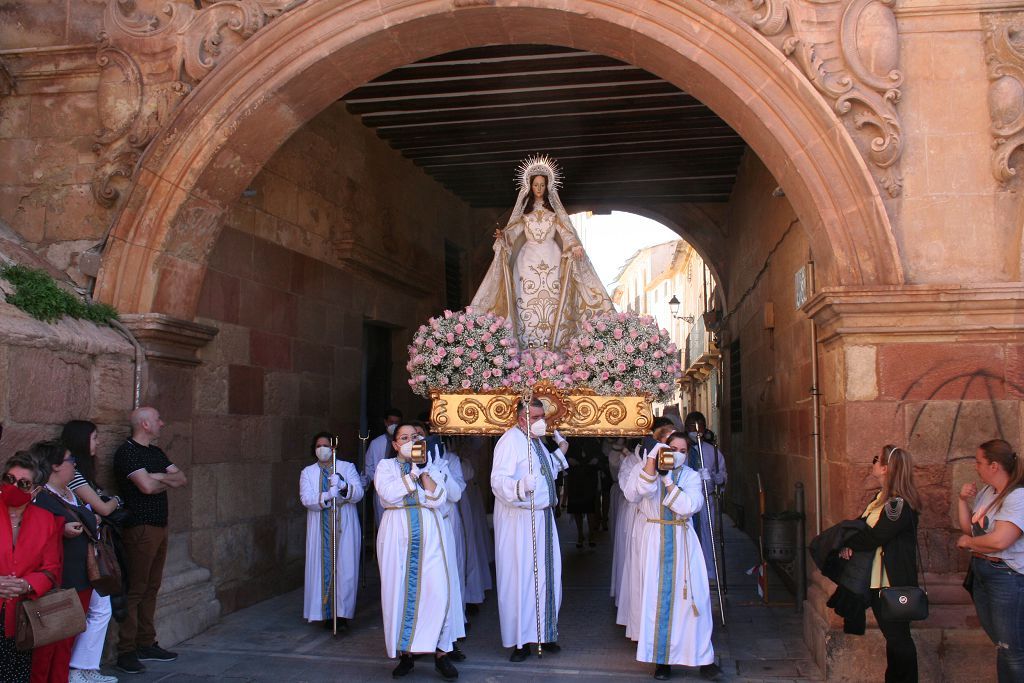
x=14 y=497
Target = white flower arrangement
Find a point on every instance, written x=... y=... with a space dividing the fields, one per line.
x=462 y=351
x=624 y=353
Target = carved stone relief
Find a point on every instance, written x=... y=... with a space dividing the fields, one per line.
x=849 y=50
x=1004 y=54
x=151 y=55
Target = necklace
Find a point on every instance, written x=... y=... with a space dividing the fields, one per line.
x=69 y=498
x=15 y=516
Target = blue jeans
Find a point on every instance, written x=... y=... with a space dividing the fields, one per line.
x=999 y=599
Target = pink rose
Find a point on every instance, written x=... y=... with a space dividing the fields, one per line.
x=460 y=328
x=489 y=347
x=487 y=374
x=637 y=384
x=656 y=374
x=457 y=362
x=639 y=362
x=473 y=355
x=619 y=386
x=443 y=381
x=617 y=333
x=442 y=352
x=469 y=371
x=599 y=345
x=470 y=325
x=630 y=348
x=496 y=372
x=604 y=376
x=633 y=334
x=447 y=315
x=620 y=366
x=450 y=337
x=643 y=346
x=466 y=384
x=503 y=342
x=458 y=350
x=601 y=327
x=486 y=387
x=430 y=344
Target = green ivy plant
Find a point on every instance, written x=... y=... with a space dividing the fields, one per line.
x=39 y=295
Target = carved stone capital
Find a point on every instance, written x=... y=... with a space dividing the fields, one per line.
x=934 y=313
x=169 y=339
x=1004 y=54
x=849 y=50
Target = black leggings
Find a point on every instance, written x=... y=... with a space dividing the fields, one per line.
x=900 y=651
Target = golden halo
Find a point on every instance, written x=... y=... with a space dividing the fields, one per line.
x=539 y=164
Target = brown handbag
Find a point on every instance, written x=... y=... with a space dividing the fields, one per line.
x=55 y=616
x=101 y=565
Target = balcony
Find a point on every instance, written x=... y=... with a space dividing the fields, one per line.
x=701 y=353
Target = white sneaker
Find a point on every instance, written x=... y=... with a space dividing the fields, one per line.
x=94 y=676
x=77 y=676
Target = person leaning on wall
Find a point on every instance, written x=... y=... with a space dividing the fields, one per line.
x=992 y=520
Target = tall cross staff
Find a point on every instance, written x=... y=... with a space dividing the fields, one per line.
x=334 y=541
x=527 y=400
x=711 y=521
x=362 y=507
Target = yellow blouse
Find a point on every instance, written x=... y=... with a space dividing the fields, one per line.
x=879 y=579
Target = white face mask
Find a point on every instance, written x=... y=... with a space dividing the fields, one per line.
x=539 y=428
x=323 y=453
x=391 y=428
x=406 y=450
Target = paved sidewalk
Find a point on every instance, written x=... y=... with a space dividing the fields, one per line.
x=270 y=642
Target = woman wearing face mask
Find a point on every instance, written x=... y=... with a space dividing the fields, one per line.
x=320 y=492
x=414 y=572
x=30 y=556
x=711 y=470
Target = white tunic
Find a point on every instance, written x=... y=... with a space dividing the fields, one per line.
x=312 y=486
x=616 y=513
x=676 y=620
x=478 y=547
x=453 y=486
x=414 y=574
x=375 y=452
x=513 y=545
x=628 y=613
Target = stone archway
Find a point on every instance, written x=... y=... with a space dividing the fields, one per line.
x=245 y=109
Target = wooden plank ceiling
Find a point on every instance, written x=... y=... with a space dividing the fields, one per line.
x=620 y=133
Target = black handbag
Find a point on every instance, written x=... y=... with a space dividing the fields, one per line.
x=903 y=603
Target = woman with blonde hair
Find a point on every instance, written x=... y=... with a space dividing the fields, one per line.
x=993 y=533
x=890 y=536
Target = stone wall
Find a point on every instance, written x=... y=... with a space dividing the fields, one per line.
x=288 y=356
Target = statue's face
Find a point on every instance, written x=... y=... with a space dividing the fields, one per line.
x=539 y=184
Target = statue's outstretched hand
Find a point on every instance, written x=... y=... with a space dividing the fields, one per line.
x=577 y=252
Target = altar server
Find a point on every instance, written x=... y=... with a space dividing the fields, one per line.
x=414 y=584
x=479 y=548
x=618 y=454
x=514 y=485
x=377 y=451
x=320 y=492
x=675 y=617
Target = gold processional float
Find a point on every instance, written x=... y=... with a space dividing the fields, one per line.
x=542 y=326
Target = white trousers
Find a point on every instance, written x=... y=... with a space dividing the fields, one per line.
x=89 y=644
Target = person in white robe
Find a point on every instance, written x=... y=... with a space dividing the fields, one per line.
x=479 y=548
x=414 y=572
x=514 y=486
x=321 y=492
x=617 y=454
x=714 y=462
x=628 y=594
x=377 y=451
x=676 y=619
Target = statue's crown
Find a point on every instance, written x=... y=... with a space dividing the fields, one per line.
x=540 y=164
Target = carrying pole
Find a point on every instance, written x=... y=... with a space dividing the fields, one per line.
x=527 y=399
x=334 y=541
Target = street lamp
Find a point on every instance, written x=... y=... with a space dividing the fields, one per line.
x=673 y=307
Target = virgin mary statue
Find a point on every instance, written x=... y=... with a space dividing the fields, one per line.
x=540 y=277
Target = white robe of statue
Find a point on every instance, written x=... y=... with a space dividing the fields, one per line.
x=675 y=617
x=513 y=545
x=313 y=483
x=628 y=613
x=414 y=583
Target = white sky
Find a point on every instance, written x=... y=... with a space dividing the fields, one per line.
x=611 y=239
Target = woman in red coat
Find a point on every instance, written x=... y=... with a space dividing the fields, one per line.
x=30 y=556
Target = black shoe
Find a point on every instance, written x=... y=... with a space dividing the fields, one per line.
x=457 y=655
x=579 y=545
x=342 y=625
x=710 y=672
x=472 y=609
x=405 y=665
x=155 y=653
x=551 y=647
x=128 y=662
x=443 y=666
x=593 y=544
x=519 y=654
x=663 y=672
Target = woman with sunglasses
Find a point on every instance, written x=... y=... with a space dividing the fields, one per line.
x=51 y=663
x=890 y=536
x=30 y=556
x=992 y=520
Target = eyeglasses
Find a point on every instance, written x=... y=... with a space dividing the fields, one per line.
x=23 y=484
x=71 y=459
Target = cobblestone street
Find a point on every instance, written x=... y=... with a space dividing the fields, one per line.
x=270 y=642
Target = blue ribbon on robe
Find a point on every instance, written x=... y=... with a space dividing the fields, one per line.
x=550 y=618
x=413 y=567
x=666 y=578
x=327 y=567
